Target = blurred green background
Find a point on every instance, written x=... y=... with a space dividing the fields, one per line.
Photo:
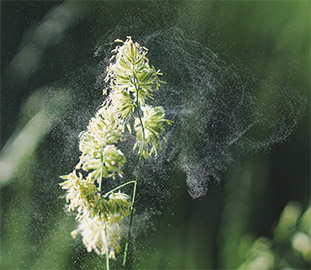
x=257 y=217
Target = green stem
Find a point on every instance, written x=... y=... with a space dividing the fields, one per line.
x=105 y=232
x=131 y=220
x=123 y=185
x=137 y=174
x=107 y=255
x=101 y=175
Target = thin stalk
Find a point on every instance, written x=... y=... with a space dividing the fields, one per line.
x=107 y=255
x=137 y=174
x=105 y=232
x=101 y=176
x=123 y=185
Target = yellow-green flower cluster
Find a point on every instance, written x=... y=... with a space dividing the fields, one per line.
x=131 y=73
x=132 y=82
x=148 y=129
x=100 y=158
x=97 y=144
x=96 y=235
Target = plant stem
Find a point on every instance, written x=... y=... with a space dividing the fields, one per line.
x=125 y=184
x=132 y=211
x=101 y=175
x=105 y=232
x=137 y=174
x=107 y=255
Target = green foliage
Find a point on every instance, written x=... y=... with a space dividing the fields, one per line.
x=290 y=244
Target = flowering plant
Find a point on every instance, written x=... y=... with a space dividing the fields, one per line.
x=131 y=84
